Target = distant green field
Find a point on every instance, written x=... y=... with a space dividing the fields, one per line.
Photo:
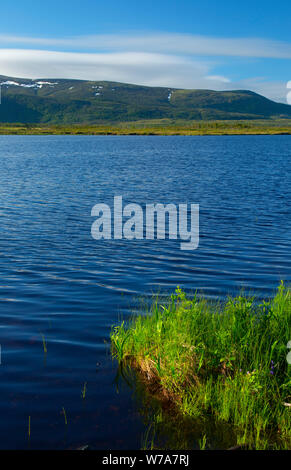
x=156 y=127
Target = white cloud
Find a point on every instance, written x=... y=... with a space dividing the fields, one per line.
x=218 y=78
x=164 y=43
x=142 y=68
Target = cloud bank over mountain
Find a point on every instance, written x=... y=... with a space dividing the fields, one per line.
x=155 y=59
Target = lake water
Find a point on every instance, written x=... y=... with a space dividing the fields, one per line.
x=59 y=284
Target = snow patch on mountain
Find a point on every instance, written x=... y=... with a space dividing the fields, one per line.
x=38 y=84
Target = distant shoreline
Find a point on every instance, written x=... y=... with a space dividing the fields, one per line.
x=168 y=134
x=160 y=127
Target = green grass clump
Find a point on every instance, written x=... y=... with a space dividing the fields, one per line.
x=225 y=359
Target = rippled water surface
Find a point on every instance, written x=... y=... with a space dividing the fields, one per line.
x=59 y=285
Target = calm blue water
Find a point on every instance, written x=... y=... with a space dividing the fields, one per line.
x=58 y=282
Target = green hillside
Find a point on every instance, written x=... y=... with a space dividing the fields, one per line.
x=59 y=101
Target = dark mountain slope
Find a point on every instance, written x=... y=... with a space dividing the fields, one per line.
x=62 y=101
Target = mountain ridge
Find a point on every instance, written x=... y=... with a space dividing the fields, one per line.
x=71 y=101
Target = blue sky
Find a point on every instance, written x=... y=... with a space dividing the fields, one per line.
x=209 y=44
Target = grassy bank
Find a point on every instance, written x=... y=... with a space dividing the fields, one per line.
x=225 y=359
x=156 y=127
